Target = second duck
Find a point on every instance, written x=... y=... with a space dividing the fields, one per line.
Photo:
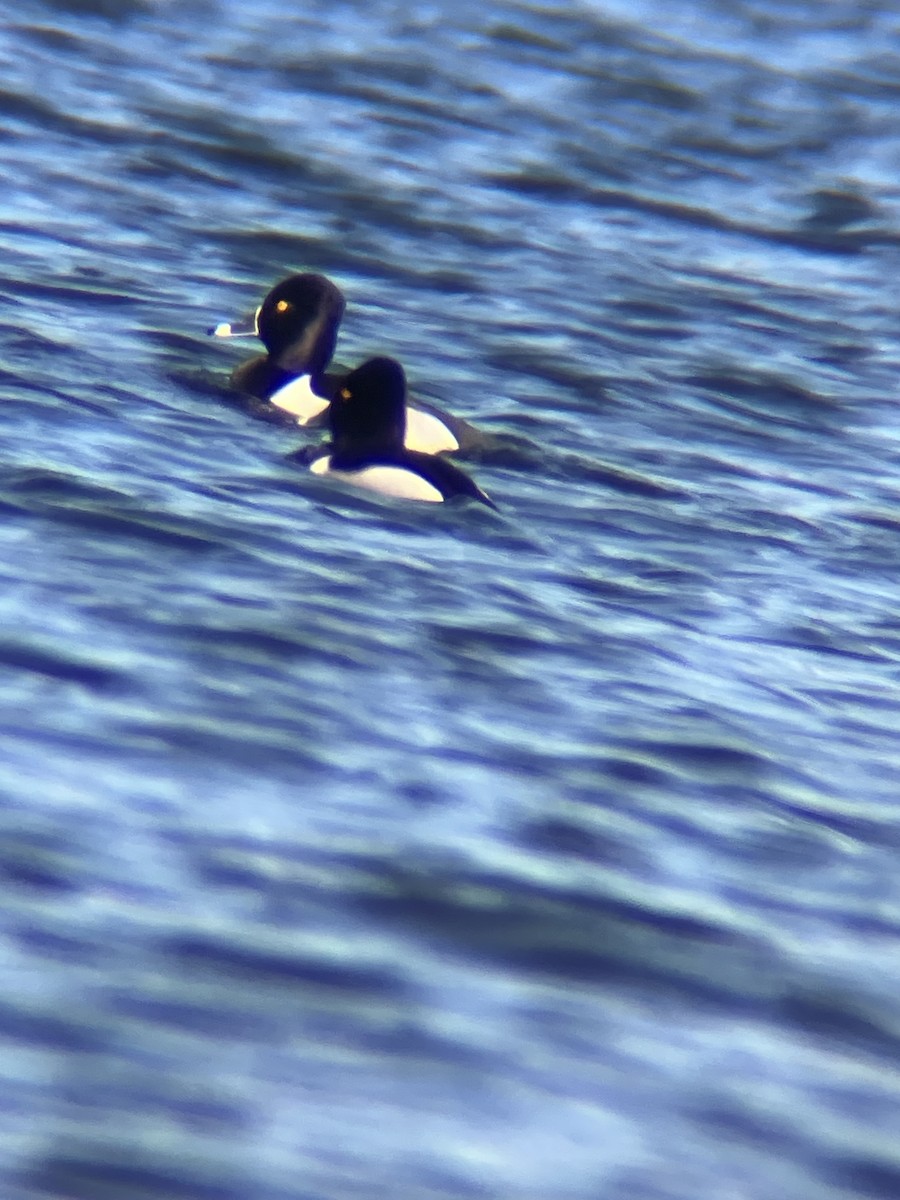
x=367 y=419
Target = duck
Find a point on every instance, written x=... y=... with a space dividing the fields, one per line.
x=367 y=421
x=298 y=324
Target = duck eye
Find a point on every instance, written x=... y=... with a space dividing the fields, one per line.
x=282 y=306
x=346 y=393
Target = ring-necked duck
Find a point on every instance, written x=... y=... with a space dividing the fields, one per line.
x=297 y=323
x=367 y=419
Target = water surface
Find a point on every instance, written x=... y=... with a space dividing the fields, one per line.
x=352 y=847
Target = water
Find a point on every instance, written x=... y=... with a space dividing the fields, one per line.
x=356 y=848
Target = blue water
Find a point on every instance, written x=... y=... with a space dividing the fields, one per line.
x=355 y=848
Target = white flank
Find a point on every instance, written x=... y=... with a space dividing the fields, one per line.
x=390 y=481
x=298 y=399
x=428 y=433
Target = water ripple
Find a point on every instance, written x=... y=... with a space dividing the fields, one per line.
x=541 y=828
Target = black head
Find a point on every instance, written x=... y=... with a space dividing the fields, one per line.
x=298 y=322
x=368 y=411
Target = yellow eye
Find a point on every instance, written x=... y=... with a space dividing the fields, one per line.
x=282 y=306
x=346 y=393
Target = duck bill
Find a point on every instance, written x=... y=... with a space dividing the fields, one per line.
x=248 y=327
